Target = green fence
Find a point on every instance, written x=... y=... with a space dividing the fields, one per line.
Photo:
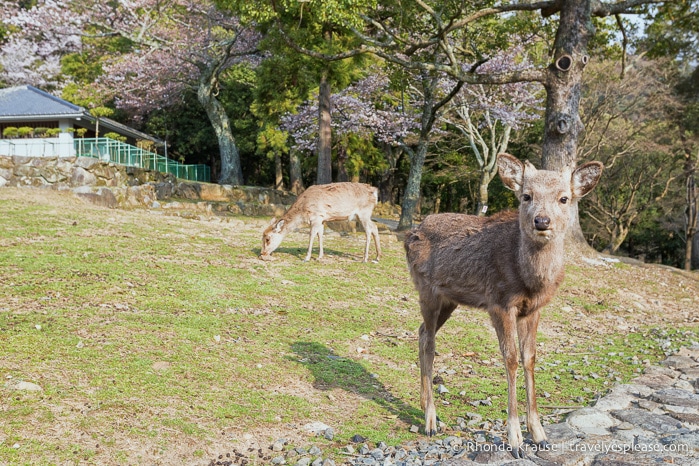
x=121 y=153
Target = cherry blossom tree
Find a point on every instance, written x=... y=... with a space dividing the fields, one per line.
x=402 y=32
x=365 y=109
x=487 y=115
x=175 y=46
x=32 y=53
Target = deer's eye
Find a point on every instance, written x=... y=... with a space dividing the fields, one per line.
x=526 y=197
x=564 y=200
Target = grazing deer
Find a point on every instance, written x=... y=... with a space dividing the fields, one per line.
x=323 y=203
x=509 y=264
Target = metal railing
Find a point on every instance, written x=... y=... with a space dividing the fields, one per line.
x=106 y=149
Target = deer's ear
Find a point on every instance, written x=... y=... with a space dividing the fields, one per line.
x=274 y=220
x=511 y=171
x=278 y=227
x=585 y=177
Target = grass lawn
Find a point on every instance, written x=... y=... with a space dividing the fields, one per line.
x=158 y=339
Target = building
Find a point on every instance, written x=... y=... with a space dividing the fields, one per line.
x=34 y=123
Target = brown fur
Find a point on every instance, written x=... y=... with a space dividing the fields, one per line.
x=325 y=203
x=510 y=264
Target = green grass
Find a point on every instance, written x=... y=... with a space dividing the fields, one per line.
x=160 y=337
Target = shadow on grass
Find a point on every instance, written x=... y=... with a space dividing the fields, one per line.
x=301 y=252
x=333 y=371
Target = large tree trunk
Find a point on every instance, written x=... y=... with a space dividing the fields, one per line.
x=278 y=172
x=691 y=214
x=231 y=171
x=324 y=132
x=411 y=197
x=430 y=107
x=295 y=181
x=563 y=125
x=386 y=184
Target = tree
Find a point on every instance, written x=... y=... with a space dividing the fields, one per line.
x=447 y=27
x=486 y=116
x=365 y=109
x=175 y=45
x=629 y=127
x=100 y=112
x=320 y=30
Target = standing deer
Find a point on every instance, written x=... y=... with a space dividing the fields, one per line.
x=509 y=264
x=323 y=203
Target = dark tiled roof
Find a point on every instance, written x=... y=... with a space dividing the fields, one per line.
x=25 y=101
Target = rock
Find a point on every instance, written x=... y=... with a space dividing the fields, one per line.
x=657 y=423
x=591 y=421
x=621 y=397
x=679 y=362
x=82 y=177
x=687 y=442
x=676 y=397
x=655 y=381
x=23 y=386
x=278 y=445
x=317 y=428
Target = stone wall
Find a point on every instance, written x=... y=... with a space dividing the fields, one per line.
x=113 y=186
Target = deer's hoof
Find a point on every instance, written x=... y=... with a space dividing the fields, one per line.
x=517 y=452
x=544 y=445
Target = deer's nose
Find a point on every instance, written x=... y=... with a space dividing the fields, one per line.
x=542 y=223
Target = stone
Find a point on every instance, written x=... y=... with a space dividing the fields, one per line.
x=621 y=397
x=591 y=421
x=679 y=362
x=676 y=397
x=560 y=433
x=316 y=427
x=82 y=177
x=687 y=418
x=188 y=190
x=687 y=442
x=214 y=192
x=657 y=423
x=655 y=381
x=103 y=197
x=23 y=386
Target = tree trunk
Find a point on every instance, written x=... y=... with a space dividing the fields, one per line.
x=278 y=172
x=411 y=197
x=412 y=189
x=482 y=207
x=231 y=171
x=386 y=184
x=342 y=174
x=295 y=181
x=324 y=132
x=562 y=121
x=438 y=198
x=619 y=234
x=691 y=211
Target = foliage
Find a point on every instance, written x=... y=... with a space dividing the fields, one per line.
x=629 y=128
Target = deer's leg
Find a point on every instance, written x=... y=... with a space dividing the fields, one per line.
x=321 y=228
x=371 y=231
x=377 y=243
x=434 y=314
x=505 y=325
x=314 y=231
x=526 y=330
